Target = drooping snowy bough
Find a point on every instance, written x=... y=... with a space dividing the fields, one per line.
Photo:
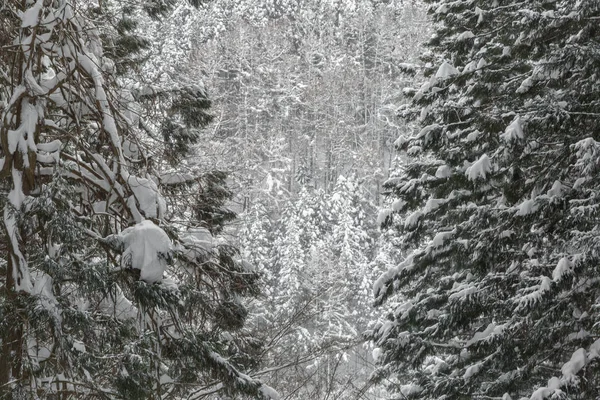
x=105 y=293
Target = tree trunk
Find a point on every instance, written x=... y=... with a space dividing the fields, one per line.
x=11 y=357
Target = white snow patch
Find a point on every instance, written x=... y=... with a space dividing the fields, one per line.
x=479 y=12
x=479 y=169
x=31 y=16
x=410 y=389
x=442 y=9
x=443 y=171
x=471 y=66
x=42 y=287
x=525 y=86
x=426 y=130
x=119 y=306
x=554 y=383
x=152 y=204
x=165 y=379
x=397 y=205
x=491 y=330
x=527 y=207
x=563 y=268
x=446 y=70
x=79 y=346
x=390 y=273
x=173 y=178
x=16 y=195
x=542 y=393
x=462 y=291
x=440 y=238
x=436 y=366
x=197 y=242
x=432 y=205
x=376 y=353
x=269 y=392
x=472 y=370
x=579 y=182
x=594 y=350
x=412 y=220
x=556 y=190
x=471 y=137
x=573 y=366
x=147 y=248
x=37 y=352
x=169 y=284
x=544 y=284
x=383 y=216
x=465 y=36
x=514 y=131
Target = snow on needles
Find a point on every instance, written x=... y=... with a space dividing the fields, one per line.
x=446 y=70
x=563 y=268
x=514 y=131
x=146 y=192
x=31 y=16
x=479 y=169
x=147 y=248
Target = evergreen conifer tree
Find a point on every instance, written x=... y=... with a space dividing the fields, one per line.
x=109 y=288
x=350 y=244
x=498 y=215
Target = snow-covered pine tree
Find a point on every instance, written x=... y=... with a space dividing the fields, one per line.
x=351 y=247
x=107 y=289
x=499 y=218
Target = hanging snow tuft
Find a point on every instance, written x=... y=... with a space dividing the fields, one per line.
x=595 y=350
x=491 y=330
x=443 y=171
x=446 y=70
x=31 y=16
x=440 y=238
x=147 y=248
x=472 y=370
x=479 y=13
x=563 y=268
x=573 y=366
x=384 y=217
x=269 y=392
x=42 y=287
x=527 y=207
x=152 y=204
x=465 y=36
x=525 y=86
x=479 y=169
x=412 y=220
x=556 y=190
x=411 y=389
x=119 y=306
x=513 y=132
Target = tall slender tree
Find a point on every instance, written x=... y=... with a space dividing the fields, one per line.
x=498 y=215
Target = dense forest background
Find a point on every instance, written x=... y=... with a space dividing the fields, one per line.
x=305 y=98
x=283 y=199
